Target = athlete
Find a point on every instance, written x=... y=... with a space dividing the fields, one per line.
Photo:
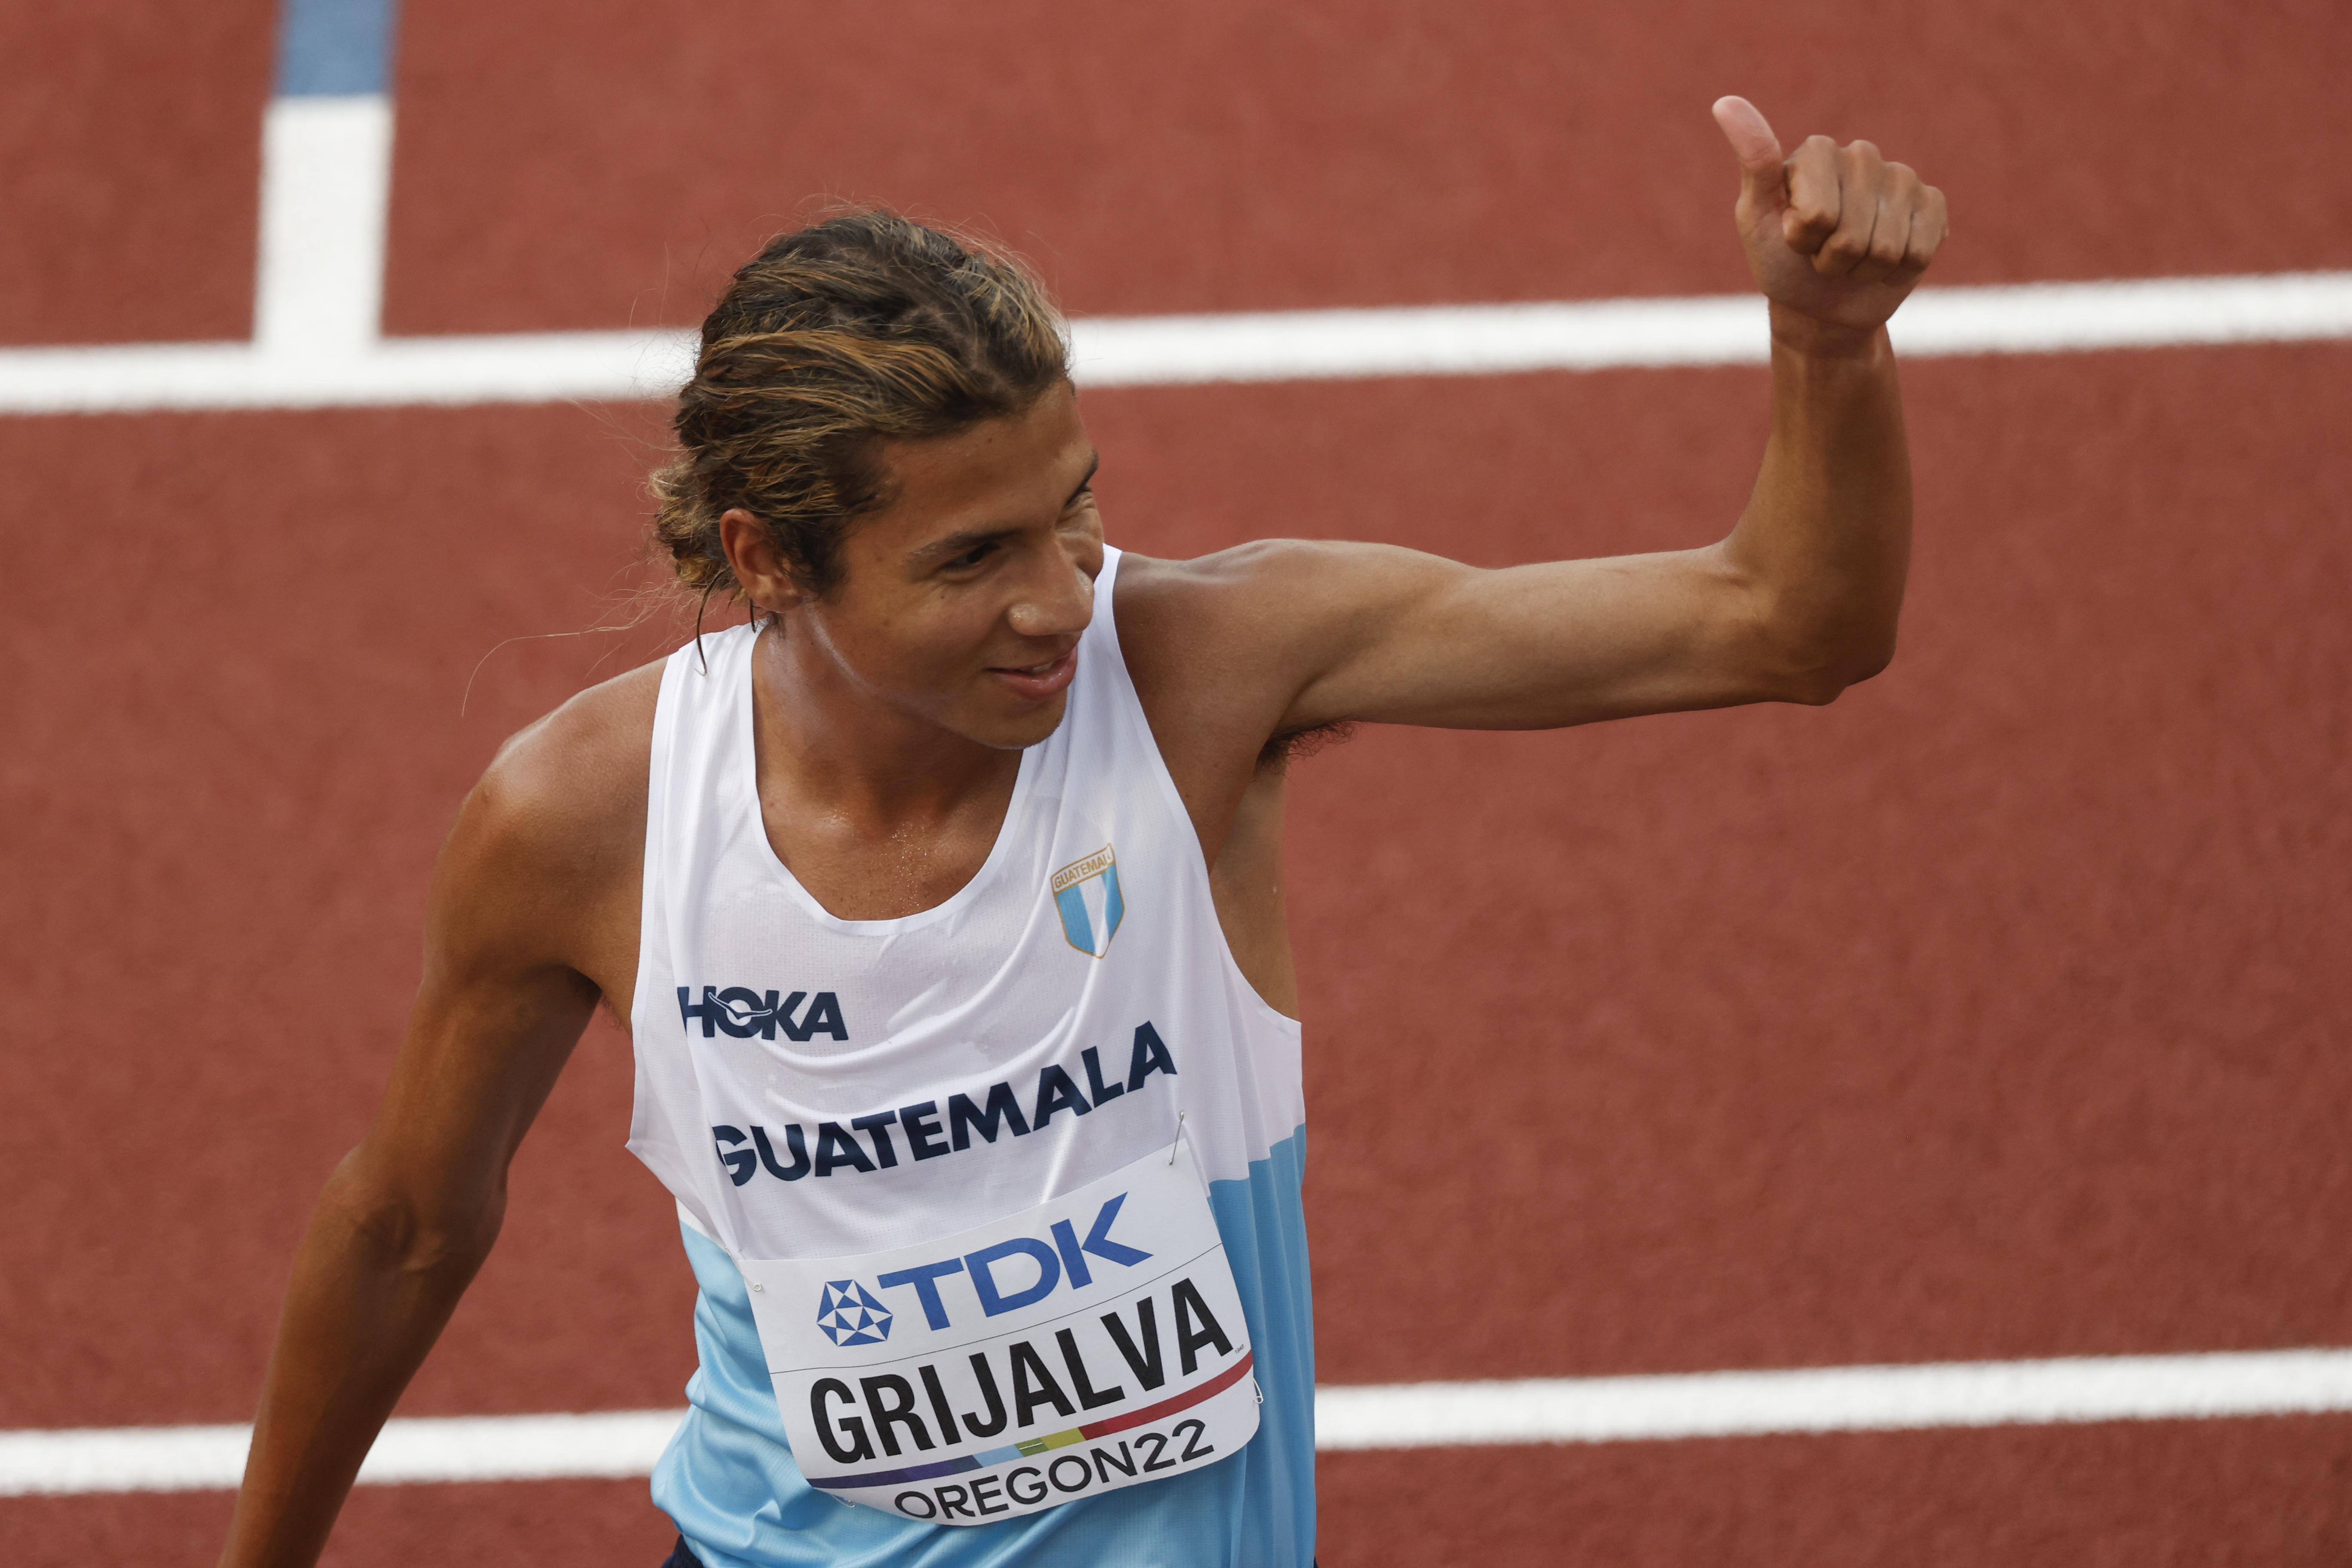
x=942 y=900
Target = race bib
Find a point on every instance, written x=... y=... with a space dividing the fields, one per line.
x=1093 y=1342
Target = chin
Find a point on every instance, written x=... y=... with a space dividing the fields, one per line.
x=1010 y=734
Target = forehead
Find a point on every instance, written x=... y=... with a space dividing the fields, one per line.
x=1000 y=474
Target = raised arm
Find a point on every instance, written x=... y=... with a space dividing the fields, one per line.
x=408 y=1216
x=1799 y=601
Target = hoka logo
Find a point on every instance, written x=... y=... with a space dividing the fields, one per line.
x=743 y=1014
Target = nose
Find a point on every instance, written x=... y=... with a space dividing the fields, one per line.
x=1058 y=600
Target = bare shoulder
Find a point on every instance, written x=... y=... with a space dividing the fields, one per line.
x=1272 y=590
x=579 y=771
x=1251 y=628
x=1185 y=626
x=1269 y=582
x=546 y=859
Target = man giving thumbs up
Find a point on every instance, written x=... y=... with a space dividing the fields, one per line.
x=1009 y=804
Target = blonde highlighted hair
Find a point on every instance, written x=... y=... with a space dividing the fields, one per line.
x=864 y=328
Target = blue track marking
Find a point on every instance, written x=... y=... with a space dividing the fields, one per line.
x=335 y=48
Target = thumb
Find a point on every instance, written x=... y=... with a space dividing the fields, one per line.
x=1764 y=178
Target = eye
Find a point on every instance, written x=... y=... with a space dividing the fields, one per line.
x=975 y=556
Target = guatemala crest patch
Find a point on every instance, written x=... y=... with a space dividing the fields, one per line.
x=849 y=1316
x=1087 y=893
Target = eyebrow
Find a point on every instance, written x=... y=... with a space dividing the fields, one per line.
x=956 y=544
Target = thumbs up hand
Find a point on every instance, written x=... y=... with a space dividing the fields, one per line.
x=1837 y=234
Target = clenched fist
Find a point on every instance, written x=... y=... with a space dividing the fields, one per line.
x=1834 y=233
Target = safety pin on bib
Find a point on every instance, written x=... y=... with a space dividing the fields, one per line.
x=1178 y=1139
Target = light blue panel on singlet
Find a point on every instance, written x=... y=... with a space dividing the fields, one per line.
x=729 y=1480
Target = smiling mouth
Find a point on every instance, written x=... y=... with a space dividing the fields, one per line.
x=1041 y=681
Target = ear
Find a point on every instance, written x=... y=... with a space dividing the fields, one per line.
x=759 y=566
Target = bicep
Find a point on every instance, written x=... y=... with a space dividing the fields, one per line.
x=497 y=1014
x=1398 y=636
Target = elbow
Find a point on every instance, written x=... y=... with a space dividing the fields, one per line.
x=1807 y=647
x=1858 y=665
x=1872 y=660
x=1818 y=674
x=417 y=1233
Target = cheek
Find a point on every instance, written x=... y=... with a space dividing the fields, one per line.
x=916 y=649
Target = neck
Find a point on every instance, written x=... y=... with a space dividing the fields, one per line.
x=836 y=748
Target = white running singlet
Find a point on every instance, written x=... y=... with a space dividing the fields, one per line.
x=990 y=1180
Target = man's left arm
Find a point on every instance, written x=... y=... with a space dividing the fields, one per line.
x=1799 y=601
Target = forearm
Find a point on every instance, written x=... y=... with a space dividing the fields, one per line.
x=1825 y=543
x=369 y=1294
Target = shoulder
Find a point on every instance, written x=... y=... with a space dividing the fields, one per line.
x=1279 y=589
x=1246 y=578
x=1255 y=625
x=562 y=804
x=1186 y=626
x=571 y=757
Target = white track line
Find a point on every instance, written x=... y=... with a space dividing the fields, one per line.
x=1610 y=334
x=1403 y=1416
x=325 y=183
x=1834 y=1399
x=520 y=368
x=333 y=367
x=452 y=1448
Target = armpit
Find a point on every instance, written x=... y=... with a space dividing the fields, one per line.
x=1294 y=745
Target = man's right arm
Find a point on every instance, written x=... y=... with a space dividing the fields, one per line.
x=540 y=850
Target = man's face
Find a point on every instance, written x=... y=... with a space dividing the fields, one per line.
x=961 y=603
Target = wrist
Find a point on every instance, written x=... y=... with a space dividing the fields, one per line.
x=1809 y=336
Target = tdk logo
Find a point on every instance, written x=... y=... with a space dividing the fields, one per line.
x=849 y=1316
x=1064 y=1259
x=745 y=1014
